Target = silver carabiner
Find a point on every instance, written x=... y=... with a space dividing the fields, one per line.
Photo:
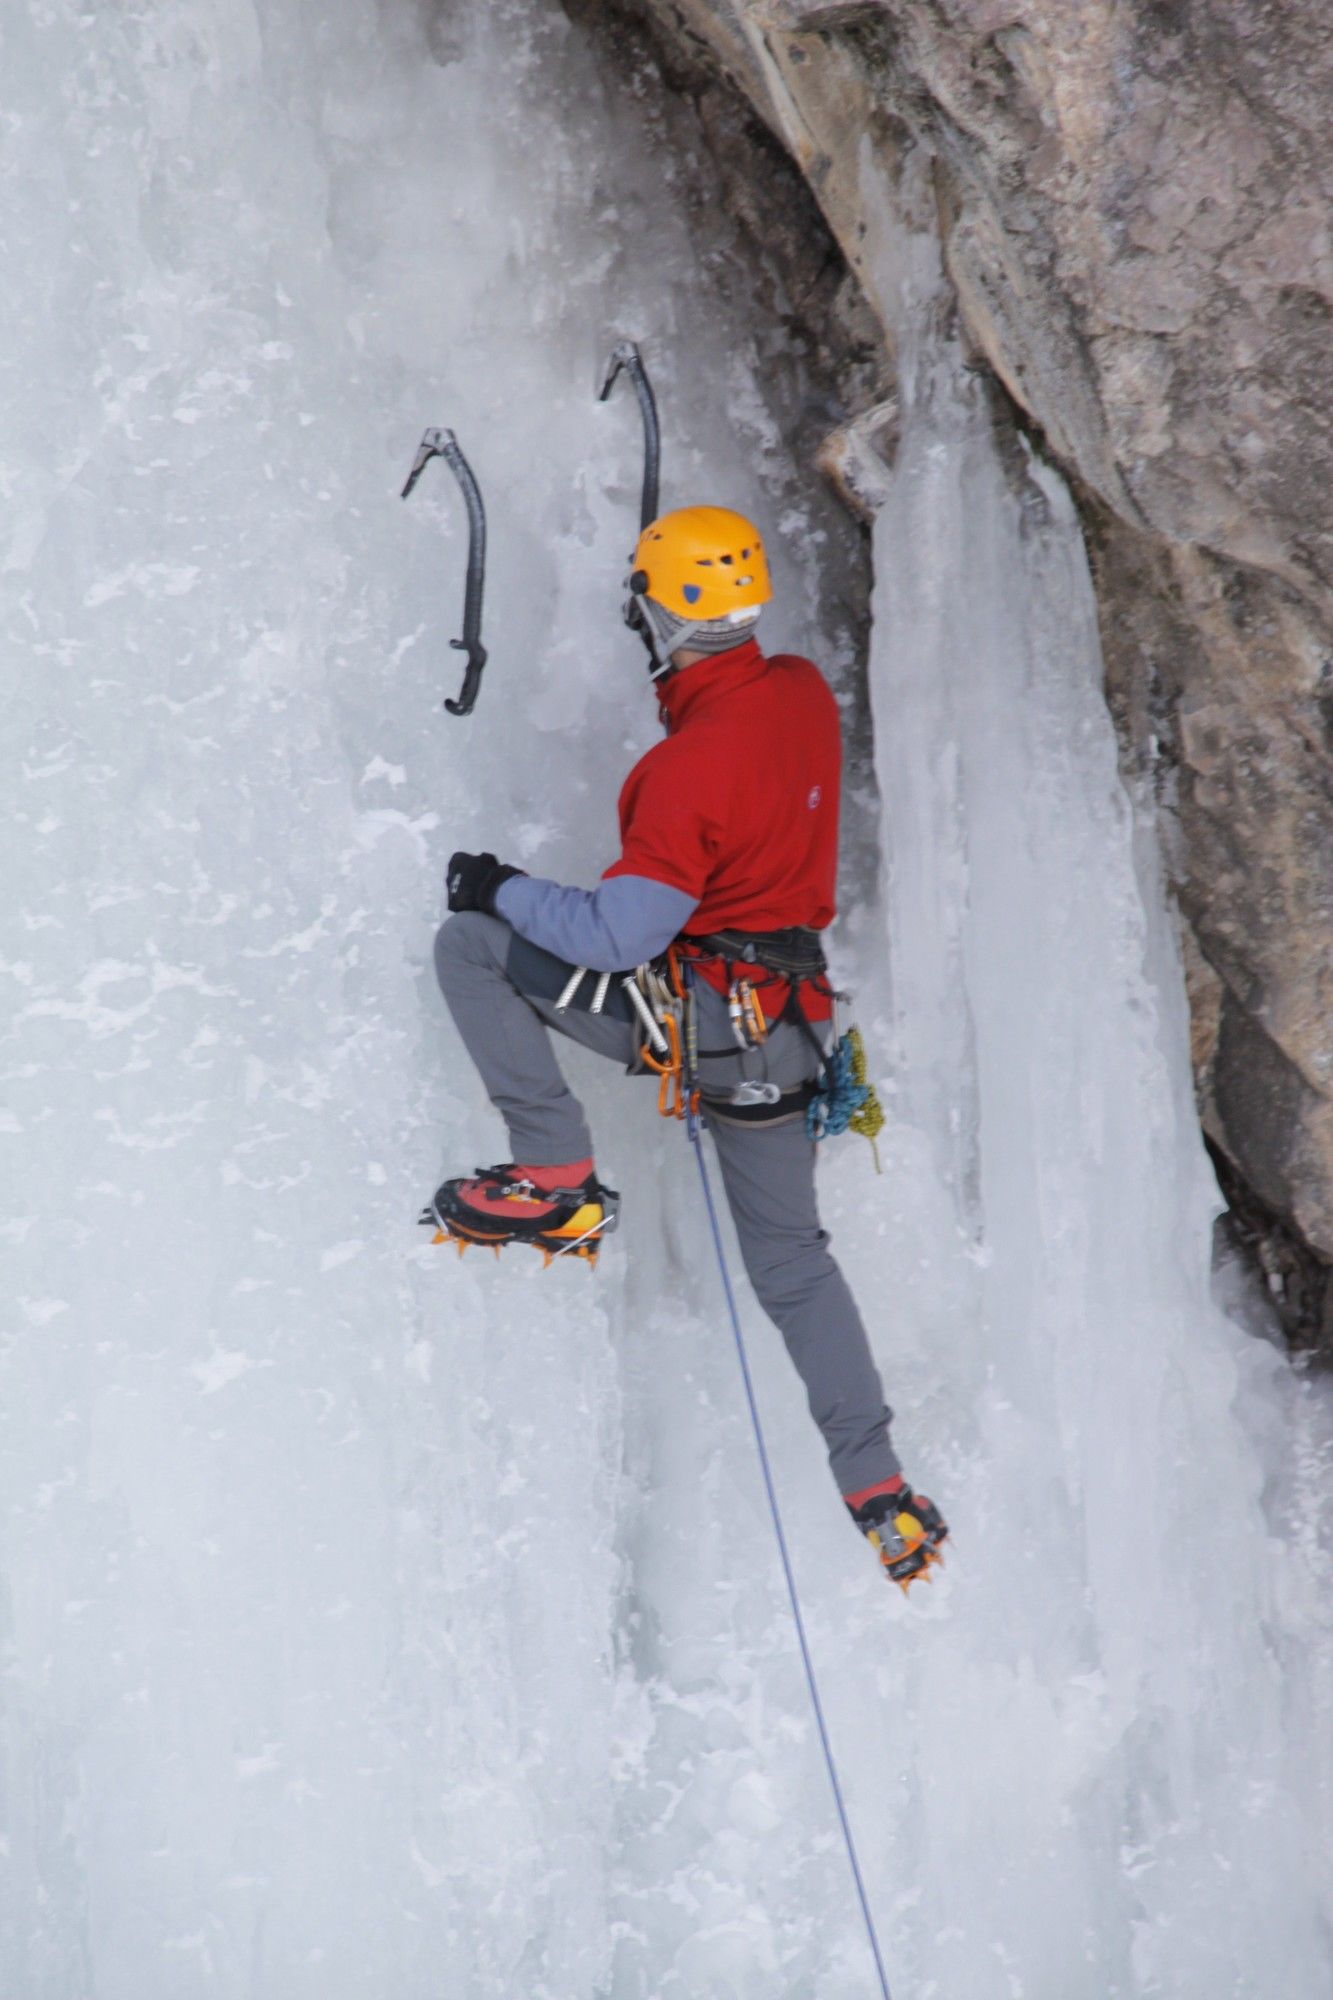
x=755 y=1093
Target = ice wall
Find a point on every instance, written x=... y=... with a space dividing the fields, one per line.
x=377 y=1625
x=309 y=1537
x=1122 y=1674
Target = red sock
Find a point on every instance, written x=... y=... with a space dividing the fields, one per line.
x=894 y=1485
x=572 y=1175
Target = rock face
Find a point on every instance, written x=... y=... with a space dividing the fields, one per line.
x=1134 y=204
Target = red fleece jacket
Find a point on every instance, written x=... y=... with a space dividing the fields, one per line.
x=738 y=806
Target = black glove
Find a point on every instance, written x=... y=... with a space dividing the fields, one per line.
x=473 y=879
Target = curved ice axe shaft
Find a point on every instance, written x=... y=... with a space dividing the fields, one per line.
x=443 y=444
x=626 y=356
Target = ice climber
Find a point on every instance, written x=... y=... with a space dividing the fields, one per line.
x=726 y=876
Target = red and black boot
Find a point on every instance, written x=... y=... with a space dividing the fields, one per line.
x=905 y=1529
x=562 y=1211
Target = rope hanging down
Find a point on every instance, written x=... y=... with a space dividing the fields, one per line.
x=693 y=1127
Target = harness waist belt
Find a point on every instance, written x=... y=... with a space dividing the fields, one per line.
x=787 y=1105
x=795 y=954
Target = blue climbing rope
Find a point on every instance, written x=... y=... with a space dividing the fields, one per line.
x=692 y=1124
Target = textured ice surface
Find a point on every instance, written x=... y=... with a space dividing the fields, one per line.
x=1130 y=1615
x=375 y=1625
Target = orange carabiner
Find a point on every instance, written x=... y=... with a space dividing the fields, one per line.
x=674 y=973
x=670 y=1090
x=670 y=1068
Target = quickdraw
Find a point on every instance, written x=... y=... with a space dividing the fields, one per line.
x=745 y=1011
x=666 y=1015
x=670 y=1069
x=672 y=1053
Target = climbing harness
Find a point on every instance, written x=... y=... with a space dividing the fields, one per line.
x=443 y=444
x=626 y=357
x=694 y=1128
x=841 y=1098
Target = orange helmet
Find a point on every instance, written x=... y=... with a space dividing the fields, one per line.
x=702 y=564
x=700 y=577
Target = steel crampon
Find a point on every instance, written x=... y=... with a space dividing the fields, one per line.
x=919 y=1555
x=579 y=1235
x=585 y=1247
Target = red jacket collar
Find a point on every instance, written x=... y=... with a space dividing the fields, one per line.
x=692 y=689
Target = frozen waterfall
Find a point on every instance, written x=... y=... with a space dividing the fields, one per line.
x=375 y=1625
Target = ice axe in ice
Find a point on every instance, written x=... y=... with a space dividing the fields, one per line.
x=625 y=356
x=443 y=444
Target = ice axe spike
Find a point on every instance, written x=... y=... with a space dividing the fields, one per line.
x=443 y=444
x=626 y=356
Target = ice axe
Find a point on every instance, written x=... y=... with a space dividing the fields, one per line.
x=443 y=444
x=626 y=356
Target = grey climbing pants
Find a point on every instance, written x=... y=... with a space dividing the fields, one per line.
x=502 y=991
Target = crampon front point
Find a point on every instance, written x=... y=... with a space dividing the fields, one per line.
x=907 y=1533
x=499 y=1206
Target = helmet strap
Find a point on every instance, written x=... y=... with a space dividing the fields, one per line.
x=660 y=644
x=679 y=641
x=662 y=632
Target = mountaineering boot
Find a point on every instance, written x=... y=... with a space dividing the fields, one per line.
x=560 y=1210
x=904 y=1528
